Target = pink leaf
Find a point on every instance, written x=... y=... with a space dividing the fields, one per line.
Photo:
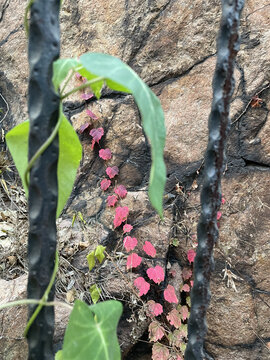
x=160 y=352
x=133 y=261
x=191 y=255
x=112 y=200
x=90 y=113
x=219 y=214
x=105 y=154
x=186 y=288
x=121 y=191
x=186 y=273
x=191 y=283
x=127 y=228
x=174 y=318
x=105 y=183
x=112 y=171
x=154 y=308
x=169 y=295
x=87 y=96
x=130 y=243
x=223 y=200
x=84 y=127
x=156 y=274
x=149 y=249
x=184 y=312
x=97 y=135
x=142 y=285
x=156 y=332
x=121 y=214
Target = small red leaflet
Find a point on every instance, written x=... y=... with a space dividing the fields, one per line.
x=87 y=96
x=133 y=261
x=112 y=200
x=186 y=273
x=121 y=214
x=84 y=127
x=142 y=285
x=121 y=191
x=169 y=295
x=154 y=308
x=92 y=115
x=185 y=288
x=156 y=274
x=105 y=183
x=174 y=318
x=130 y=243
x=97 y=135
x=112 y=171
x=149 y=249
x=127 y=227
x=105 y=154
x=191 y=255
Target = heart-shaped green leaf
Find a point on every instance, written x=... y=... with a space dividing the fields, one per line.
x=91 y=332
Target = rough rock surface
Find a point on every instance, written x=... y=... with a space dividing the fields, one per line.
x=171 y=44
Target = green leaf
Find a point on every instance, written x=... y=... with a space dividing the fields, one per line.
x=17 y=142
x=116 y=71
x=59 y=355
x=91 y=332
x=95 y=293
x=61 y=68
x=70 y=153
x=91 y=260
x=99 y=253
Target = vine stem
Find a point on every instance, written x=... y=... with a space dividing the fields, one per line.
x=83 y=86
x=34 y=302
x=44 y=297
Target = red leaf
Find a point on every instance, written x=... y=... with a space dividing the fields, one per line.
x=160 y=352
x=105 y=183
x=184 y=312
x=112 y=171
x=121 y=191
x=105 y=154
x=84 y=127
x=219 y=214
x=133 y=261
x=112 y=200
x=156 y=332
x=86 y=96
x=142 y=285
x=130 y=243
x=186 y=273
x=156 y=274
x=169 y=295
x=127 y=228
x=191 y=255
x=90 y=113
x=121 y=214
x=97 y=135
x=154 y=308
x=149 y=249
x=185 y=288
x=174 y=318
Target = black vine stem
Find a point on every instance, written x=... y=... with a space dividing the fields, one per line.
x=43 y=106
x=218 y=124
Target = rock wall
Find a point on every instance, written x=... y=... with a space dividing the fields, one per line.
x=172 y=46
